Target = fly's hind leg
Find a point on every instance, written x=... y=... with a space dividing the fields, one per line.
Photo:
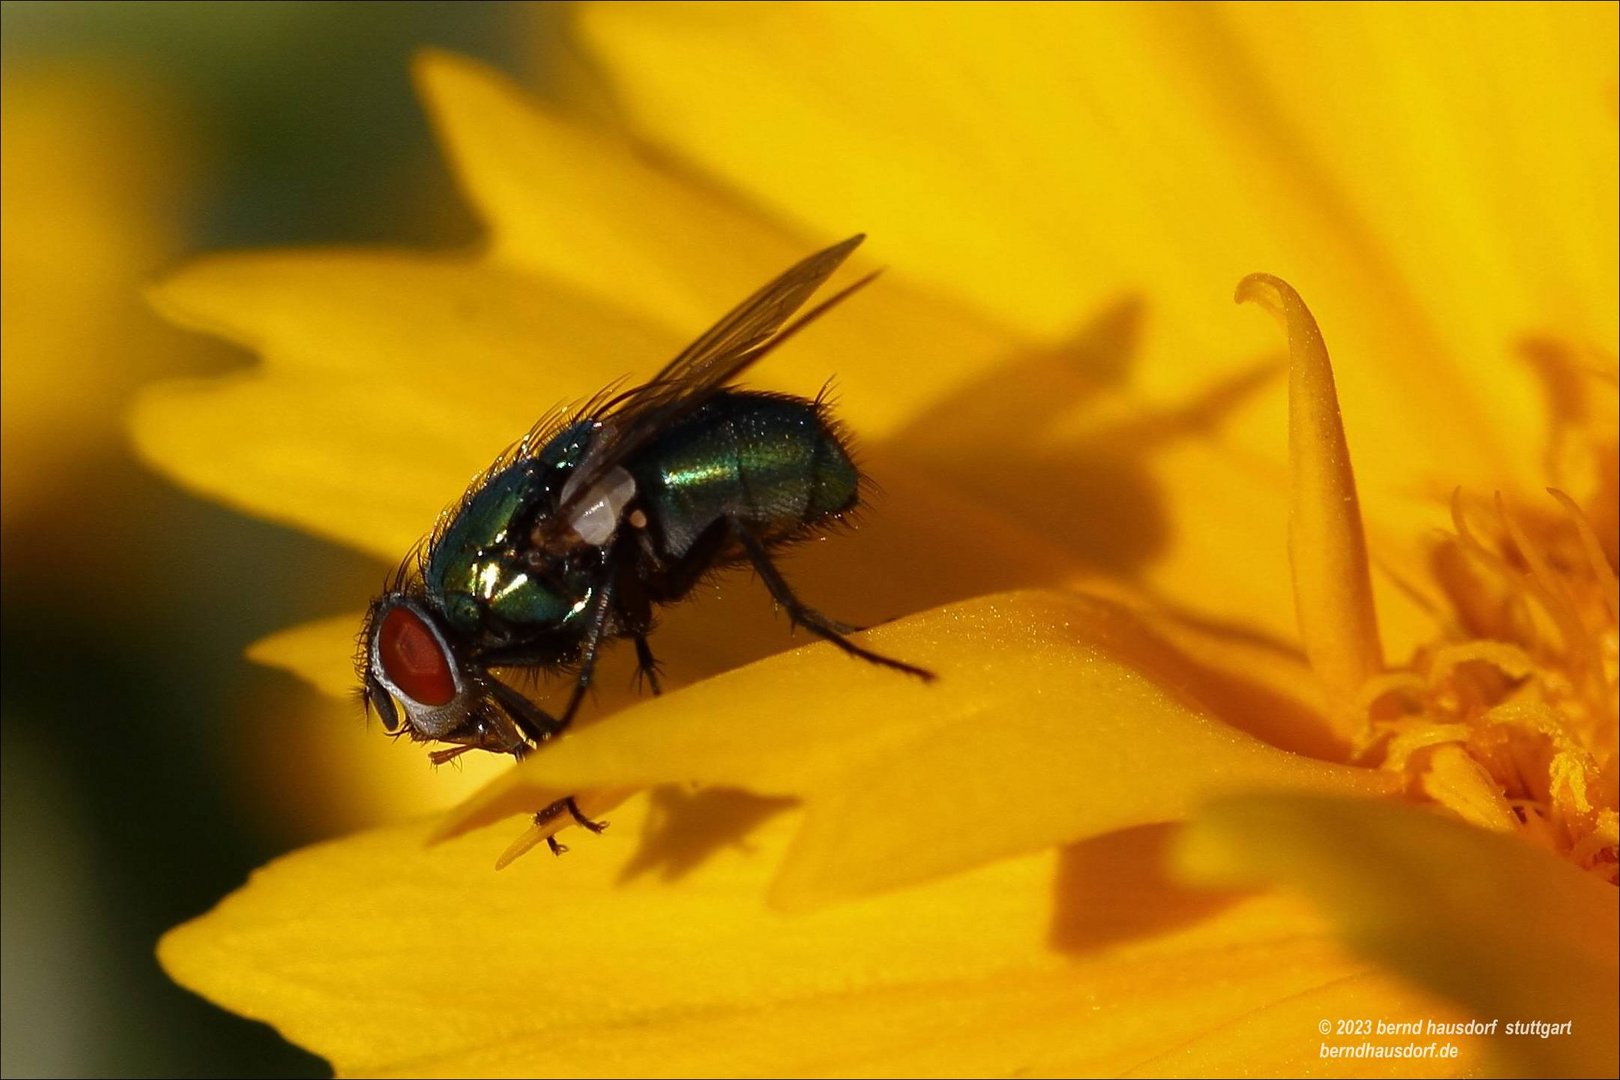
x=807 y=616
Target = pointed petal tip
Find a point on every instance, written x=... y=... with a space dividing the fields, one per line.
x=453 y=86
x=182 y=295
x=431 y=64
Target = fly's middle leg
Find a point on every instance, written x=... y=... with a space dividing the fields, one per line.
x=634 y=610
x=596 y=629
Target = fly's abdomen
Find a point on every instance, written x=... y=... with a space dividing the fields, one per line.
x=769 y=461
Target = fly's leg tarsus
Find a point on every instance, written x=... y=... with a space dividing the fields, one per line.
x=581 y=820
x=566 y=806
x=546 y=816
x=647 y=665
x=808 y=617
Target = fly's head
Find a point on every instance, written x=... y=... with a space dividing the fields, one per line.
x=418 y=683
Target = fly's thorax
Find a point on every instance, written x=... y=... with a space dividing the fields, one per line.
x=515 y=594
x=774 y=462
x=501 y=505
x=478 y=573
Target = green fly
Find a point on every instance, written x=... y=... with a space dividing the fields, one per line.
x=578 y=532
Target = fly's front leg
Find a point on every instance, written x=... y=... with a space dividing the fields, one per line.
x=807 y=616
x=531 y=720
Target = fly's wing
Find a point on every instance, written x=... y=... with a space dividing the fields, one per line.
x=718 y=355
x=724 y=351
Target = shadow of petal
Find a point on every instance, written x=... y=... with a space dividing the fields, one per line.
x=1115 y=888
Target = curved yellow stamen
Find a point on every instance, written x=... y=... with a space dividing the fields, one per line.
x=1602 y=572
x=1326 y=544
x=1583 y=662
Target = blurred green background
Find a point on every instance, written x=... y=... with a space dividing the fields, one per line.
x=135 y=136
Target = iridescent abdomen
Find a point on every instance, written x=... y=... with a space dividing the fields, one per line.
x=771 y=462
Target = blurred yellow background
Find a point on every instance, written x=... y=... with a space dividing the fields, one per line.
x=148 y=767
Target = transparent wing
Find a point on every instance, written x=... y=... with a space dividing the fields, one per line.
x=747 y=333
x=723 y=350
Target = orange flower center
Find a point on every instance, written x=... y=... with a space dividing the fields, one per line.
x=1510 y=719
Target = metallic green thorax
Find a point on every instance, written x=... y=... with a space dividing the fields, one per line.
x=770 y=462
x=472 y=570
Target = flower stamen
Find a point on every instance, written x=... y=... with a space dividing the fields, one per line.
x=1508 y=718
x=1514 y=725
x=1592 y=547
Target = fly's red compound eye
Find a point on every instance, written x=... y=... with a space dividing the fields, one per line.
x=413 y=659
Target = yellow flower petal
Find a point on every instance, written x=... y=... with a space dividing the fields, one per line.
x=393 y=959
x=669 y=245
x=387 y=382
x=967 y=139
x=1031 y=160
x=894 y=185
x=1500 y=925
x=95 y=163
x=905 y=781
x=1326 y=545
x=1476 y=139
x=603 y=220
x=321 y=653
x=1254 y=685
